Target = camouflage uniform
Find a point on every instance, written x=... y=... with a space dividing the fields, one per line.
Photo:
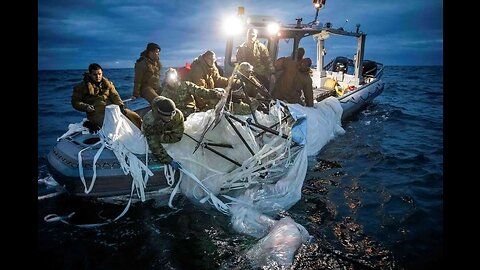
x=99 y=96
x=250 y=89
x=147 y=77
x=240 y=101
x=242 y=107
x=257 y=55
x=209 y=77
x=158 y=132
x=185 y=95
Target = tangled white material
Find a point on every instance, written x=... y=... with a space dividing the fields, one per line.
x=247 y=186
x=121 y=136
x=271 y=178
x=243 y=169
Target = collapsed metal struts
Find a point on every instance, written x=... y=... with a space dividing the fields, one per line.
x=262 y=151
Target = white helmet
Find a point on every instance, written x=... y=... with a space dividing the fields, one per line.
x=171 y=76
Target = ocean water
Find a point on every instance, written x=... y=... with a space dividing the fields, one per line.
x=373 y=197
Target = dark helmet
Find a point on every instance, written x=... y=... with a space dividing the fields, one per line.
x=208 y=53
x=163 y=107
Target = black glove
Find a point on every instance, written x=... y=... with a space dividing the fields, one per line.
x=122 y=109
x=92 y=127
x=90 y=108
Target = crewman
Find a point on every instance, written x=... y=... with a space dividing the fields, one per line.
x=147 y=73
x=205 y=73
x=164 y=123
x=94 y=93
x=185 y=93
x=255 y=53
x=288 y=66
x=302 y=84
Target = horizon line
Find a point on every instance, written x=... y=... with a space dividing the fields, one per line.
x=83 y=69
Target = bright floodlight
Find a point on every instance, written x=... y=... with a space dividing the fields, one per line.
x=172 y=76
x=273 y=28
x=233 y=26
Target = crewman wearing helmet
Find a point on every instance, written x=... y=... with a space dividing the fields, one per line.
x=185 y=93
x=164 y=123
x=252 y=85
x=253 y=88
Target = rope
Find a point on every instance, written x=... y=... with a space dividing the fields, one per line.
x=51 y=195
x=64 y=219
x=73 y=128
x=134 y=166
x=254 y=166
x=210 y=197
x=94 y=165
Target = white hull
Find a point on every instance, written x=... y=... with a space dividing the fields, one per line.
x=353 y=101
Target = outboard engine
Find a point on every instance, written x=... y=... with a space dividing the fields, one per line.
x=340 y=64
x=369 y=68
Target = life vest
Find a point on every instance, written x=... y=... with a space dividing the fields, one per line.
x=183 y=71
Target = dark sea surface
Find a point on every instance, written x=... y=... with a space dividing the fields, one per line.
x=373 y=197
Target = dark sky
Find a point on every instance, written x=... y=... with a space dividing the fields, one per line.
x=73 y=34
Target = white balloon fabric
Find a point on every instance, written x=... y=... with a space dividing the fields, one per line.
x=121 y=136
x=259 y=175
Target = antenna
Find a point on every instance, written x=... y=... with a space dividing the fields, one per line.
x=358 y=27
x=299 y=22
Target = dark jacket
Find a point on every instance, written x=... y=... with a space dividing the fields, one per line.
x=147 y=74
x=289 y=69
x=87 y=93
x=203 y=75
x=302 y=82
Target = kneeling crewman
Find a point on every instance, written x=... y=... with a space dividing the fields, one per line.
x=164 y=123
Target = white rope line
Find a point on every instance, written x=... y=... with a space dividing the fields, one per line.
x=94 y=165
x=72 y=128
x=177 y=186
x=254 y=163
x=212 y=199
x=51 y=195
x=134 y=166
x=64 y=219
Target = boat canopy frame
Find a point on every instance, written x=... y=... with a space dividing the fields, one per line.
x=297 y=32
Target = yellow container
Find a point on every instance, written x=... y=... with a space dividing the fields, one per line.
x=329 y=84
x=339 y=90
